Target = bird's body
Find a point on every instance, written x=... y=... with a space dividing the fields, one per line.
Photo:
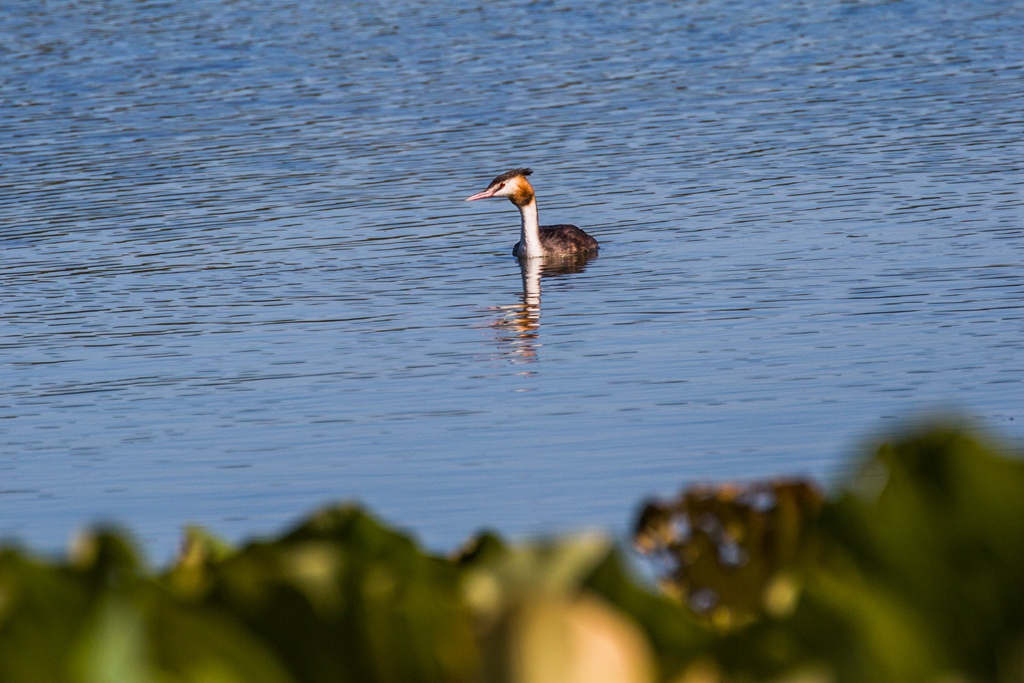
x=558 y=240
x=534 y=239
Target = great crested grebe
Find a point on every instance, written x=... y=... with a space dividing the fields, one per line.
x=535 y=239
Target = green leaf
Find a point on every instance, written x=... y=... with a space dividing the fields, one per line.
x=342 y=598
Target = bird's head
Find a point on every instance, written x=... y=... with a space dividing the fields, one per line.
x=512 y=185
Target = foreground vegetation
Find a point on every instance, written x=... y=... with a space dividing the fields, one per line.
x=913 y=570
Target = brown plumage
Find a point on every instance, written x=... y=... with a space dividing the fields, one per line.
x=560 y=240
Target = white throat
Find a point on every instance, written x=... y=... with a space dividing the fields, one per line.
x=529 y=233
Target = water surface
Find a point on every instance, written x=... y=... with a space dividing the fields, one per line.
x=239 y=279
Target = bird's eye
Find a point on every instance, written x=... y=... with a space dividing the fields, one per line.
x=501 y=186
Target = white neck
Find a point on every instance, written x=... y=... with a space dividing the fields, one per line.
x=529 y=234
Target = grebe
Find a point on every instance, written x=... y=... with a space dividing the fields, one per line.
x=536 y=240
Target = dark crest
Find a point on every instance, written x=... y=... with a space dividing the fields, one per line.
x=509 y=175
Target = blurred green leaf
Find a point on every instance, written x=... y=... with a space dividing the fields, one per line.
x=106 y=557
x=937 y=519
x=342 y=598
x=112 y=646
x=98 y=620
x=42 y=607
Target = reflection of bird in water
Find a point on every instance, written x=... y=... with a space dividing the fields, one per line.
x=519 y=324
x=535 y=239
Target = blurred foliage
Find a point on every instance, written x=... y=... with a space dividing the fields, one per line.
x=340 y=598
x=730 y=549
x=912 y=570
x=101 y=617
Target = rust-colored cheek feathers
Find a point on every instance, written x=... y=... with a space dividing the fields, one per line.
x=523 y=194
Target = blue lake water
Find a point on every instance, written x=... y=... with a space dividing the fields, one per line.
x=239 y=279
